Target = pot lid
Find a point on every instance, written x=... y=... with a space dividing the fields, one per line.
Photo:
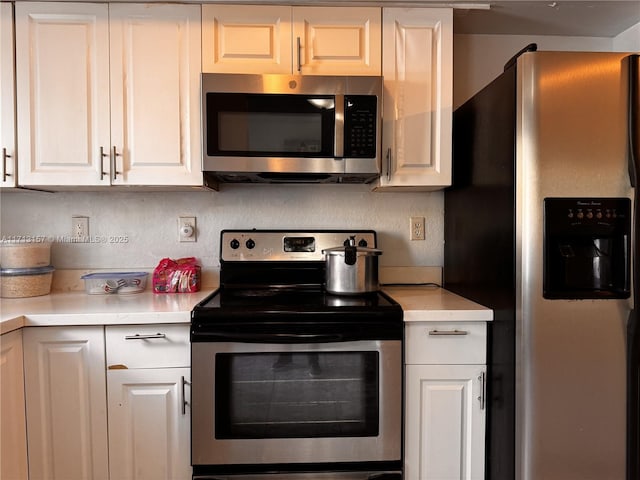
x=360 y=251
x=351 y=247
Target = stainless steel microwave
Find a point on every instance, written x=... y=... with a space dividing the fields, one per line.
x=291 y=128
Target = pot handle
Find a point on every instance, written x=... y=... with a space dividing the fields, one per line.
x=350 y=255
x=350 y=250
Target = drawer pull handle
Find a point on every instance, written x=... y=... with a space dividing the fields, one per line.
x=448 y=332
x=137 y=336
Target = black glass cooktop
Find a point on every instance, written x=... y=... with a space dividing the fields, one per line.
x=251 y=305
x=308 y=300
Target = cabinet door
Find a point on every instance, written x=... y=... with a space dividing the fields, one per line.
x=417 y=65
x=62 y=82
x=7 y=99
x=149 y=424
x=13 y=438
x=337 y=41
x=445 y=427
x=155 y=94
x=66 y=402
x=246 y=39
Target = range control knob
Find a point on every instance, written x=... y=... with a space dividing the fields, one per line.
x=250 y=244
x=363 y=243
x=235 y=244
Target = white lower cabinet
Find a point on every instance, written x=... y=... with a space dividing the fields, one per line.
x=445 y=401
x=66 y=403
x=13 y=438
x=148 y=384
x=89 y=422
x=149 y=424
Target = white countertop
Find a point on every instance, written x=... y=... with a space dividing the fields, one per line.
x=433 y=304
x=78 y=308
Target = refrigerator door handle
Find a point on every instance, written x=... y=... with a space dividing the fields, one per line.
x=634 y=118
x=633 y=327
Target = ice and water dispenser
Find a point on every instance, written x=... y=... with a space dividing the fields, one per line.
x=587 y=248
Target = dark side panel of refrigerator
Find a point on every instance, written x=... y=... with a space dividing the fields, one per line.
x=480 y=243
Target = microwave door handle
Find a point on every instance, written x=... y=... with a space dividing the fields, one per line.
x=338 y=148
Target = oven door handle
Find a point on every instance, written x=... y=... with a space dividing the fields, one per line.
x=272 y=337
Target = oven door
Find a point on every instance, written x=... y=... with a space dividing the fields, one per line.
x=287 y=403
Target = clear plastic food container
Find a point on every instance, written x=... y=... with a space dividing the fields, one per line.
x=108 y=283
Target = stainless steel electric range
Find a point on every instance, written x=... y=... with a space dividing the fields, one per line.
x=290 y=381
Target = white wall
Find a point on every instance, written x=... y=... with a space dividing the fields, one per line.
x=478 y=59
x=149 y=221
x=628 y=41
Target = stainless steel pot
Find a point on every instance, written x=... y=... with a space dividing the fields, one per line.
x=351 y=270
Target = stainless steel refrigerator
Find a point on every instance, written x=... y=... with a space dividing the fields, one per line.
x=539 y=226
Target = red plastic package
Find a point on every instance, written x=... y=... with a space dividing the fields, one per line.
x=177 y=276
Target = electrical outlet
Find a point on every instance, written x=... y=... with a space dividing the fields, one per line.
x=187 y=229
x=416 y=225
x=80 y=228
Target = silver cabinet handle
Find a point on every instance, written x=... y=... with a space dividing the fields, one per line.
x=184 y=382
x=5 y=155
x=483 y=390
x=145 y=336
x=448 y=332
x=114 y=163
x=299 y=47
x=102 y=156
x=389 y=164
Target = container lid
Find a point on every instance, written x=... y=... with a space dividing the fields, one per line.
x=25 y=243
x=107 y=275
x=14 y=272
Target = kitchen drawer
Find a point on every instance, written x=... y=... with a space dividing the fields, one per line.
x=445 y=343
x=148 y=346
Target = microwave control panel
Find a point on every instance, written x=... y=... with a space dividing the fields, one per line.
x=360 y=112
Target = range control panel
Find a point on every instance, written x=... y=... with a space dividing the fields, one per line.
x=272 y=245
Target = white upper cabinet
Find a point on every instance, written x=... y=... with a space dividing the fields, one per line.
x=155 y=94
x=62 y=62
x=7 y=99
x=300 y=40
x=108 y=94
x=417 y=65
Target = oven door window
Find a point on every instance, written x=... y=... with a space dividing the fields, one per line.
x=270 y=125
x=296 y=395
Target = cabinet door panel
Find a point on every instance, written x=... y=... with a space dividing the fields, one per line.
x=337 y=42
x=13 y=439
x=444 y=439
x=418 y=82
x=149 y=435
x=66 y=402
x=155 y=100
x=246 y=39
x=62 y=71
x=7 y=98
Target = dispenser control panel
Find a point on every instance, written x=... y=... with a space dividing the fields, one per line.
x=587 y=245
